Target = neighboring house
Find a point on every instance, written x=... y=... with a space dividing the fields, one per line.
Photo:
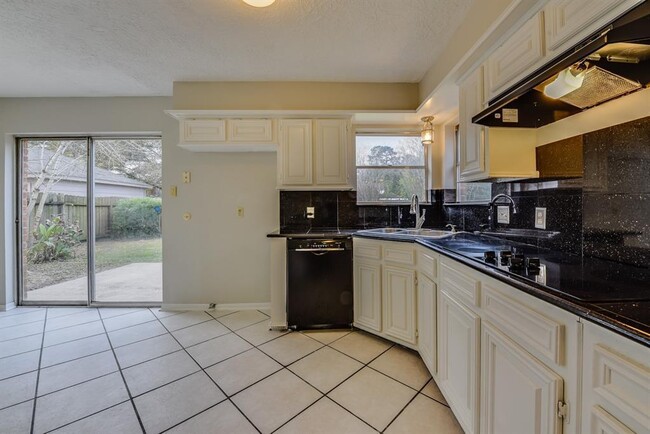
x=71 y=175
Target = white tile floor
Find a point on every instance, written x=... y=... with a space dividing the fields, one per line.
x=81 y=370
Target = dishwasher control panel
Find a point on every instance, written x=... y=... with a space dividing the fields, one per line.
x=319 y=244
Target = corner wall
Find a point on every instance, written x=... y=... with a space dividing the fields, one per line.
x=215 y=257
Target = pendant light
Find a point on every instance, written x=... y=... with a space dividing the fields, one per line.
x=259 y=3
x=427 y=130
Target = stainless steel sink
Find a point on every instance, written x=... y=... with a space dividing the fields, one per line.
x=428 y=232
x=384 y=230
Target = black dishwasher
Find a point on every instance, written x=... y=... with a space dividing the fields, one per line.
x=319 y=283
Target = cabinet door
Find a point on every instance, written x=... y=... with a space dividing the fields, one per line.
x=472 y=136
x=367 y=293
x=198 y=131
x=399 y=316
x=519 y=394
x=331 y=145
x=427 y=322
x=295 y=157
x=458 y=359
x=568 y=22
x=250 y=130
x=518 y=56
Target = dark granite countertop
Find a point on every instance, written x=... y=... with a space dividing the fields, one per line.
x=614 y=295
x=313 y=233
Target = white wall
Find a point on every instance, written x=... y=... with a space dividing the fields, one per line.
x=216 y=257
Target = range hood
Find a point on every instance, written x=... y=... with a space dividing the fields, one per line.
x=613 y=63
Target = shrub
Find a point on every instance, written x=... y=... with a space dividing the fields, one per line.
x=136 y=217
x=54 y=241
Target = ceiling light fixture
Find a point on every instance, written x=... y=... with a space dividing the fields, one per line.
x=427 y=130
x=565 y=83
x=259 y=3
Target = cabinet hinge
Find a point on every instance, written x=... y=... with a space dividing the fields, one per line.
x=417 y=333
x=562 y=409
x=416 y=281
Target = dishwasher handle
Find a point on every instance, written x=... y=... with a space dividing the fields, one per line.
x=324 y=250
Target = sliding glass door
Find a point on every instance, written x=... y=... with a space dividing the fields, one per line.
x=90 y=220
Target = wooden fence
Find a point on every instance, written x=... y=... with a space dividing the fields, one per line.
x=72 y=209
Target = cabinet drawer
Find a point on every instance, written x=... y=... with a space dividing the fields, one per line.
x=250 y=130
x=604 y=423
x=460 y=281
x=533 y=331
x=623 y=384
x=399 y=253
x=367 y=249
x=427 y=264
x=203 y=130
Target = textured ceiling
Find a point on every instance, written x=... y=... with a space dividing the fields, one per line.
x=139 y=47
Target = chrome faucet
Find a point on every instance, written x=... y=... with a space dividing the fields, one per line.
x=493 y=203
x=415 y=209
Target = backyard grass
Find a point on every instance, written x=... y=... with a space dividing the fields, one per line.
x=108 y=254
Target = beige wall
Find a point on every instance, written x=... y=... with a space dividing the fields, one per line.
x=216 y=257
x=295 y=96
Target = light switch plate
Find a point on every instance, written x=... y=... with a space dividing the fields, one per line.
x=540 y=218
x=310 y=212
x=503 y=214
x=187 y=177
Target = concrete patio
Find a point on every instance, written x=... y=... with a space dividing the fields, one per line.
x=137 y=282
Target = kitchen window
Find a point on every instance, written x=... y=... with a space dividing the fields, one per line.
x=390 y=169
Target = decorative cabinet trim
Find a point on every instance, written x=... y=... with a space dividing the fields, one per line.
x=503 y=357
x=295 y=155
x=250 y=130
x=534 y=331
x=427 y=314
x=203 y=130
x=623 y=384
x=604 y=423
x=367 y=249
x=367 y=293
x=399 y=314
x=518 y=55
x=331 y=149
x=472 y=136
x=427 y=263
x=399 y=254
x=461 y=282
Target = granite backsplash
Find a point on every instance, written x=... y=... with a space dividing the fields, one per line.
x=604 y=214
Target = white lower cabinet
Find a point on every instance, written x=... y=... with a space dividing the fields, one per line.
x=615 y=383
x=398 y=295
x=367 y=293
x=427 y=315
x=458 y=358
x=519 y=394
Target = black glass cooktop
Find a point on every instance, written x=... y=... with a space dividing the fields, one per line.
x=586 y=279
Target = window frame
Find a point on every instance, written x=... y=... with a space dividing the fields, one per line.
x=392 y=133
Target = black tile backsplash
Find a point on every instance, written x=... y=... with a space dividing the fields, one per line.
x=605 y=214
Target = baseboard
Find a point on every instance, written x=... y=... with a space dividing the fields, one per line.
x=8 y=306
x=206 y=306
x=243 y=306
x=175 y=307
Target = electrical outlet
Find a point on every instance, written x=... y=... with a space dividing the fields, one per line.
x=503 y=214
x=187 y=177
x=310 y=212
x=240 y=211
x=540 y=218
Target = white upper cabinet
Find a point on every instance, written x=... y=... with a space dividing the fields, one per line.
x=330 y=145
x=313 y=154
x=295 y=155
x=202 y=131
x=205 y=134
x=520 y=54
x=250 y=130
x=472 y=136
x=568 y=22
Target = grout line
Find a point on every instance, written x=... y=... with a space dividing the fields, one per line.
x=301 y=411
x=71 y=340
x=7 y=314
x=126 y=386
x=38 y=374
x=186 y=327
x=22 y=337
x=77 y=384
x=22 y=324
x=407 y=404
x=87 y=416
x=211 y=379
x=351 y=413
